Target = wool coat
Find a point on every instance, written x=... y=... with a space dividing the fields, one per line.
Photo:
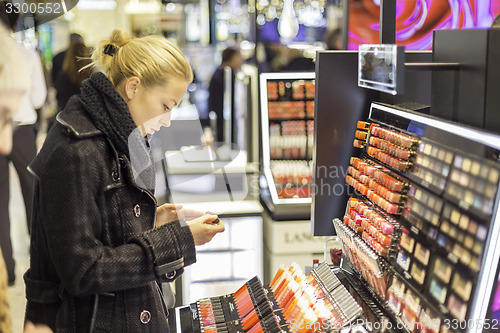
x=96 y=256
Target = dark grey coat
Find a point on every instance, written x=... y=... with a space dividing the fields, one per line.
x=95 y=254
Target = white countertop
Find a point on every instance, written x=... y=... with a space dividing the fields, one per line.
x=176 y=164
x=226 y=207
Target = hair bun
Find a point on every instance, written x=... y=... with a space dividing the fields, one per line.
x=119 y=38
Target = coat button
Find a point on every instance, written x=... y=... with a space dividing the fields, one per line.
x=145 y=316
x=137 y=210
x=171 y=275
x=115 y=176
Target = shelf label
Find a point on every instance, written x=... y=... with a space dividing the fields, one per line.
x=407 y=275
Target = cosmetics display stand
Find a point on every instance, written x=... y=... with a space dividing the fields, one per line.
x=422 y=230
x=292 y=302
x=287 y=113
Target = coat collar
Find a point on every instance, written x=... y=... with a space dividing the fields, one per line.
x=76 y=122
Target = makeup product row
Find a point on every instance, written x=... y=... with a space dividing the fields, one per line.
x=249 y=309
x=297 y=90
x=361 y=134
x=292 y=178
x=380 y=231
x=287 y=110
x=391 y=147
x=473 y=183
x=364 y=258
x=290 y=147
x=411 y=309
x=292 y=127
x=373 y=314
x=378 y=184
x=303 y=89
x=315 y=300
x=404 y=141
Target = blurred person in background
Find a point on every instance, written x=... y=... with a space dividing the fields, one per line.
x=58 y=60
x=24 y=142
x=231 y=57
x=296 y=61
x=333 y=39
x=14 y=82
x=70 y=78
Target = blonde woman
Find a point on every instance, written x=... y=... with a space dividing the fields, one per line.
x=99 y=242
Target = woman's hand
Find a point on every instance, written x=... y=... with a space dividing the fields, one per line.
x=30 y=328
x=167 y=213
x=204 y=229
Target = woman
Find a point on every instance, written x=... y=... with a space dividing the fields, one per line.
x=69 y=81
x=99 y=243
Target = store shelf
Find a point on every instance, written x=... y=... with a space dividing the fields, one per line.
x=296 y=142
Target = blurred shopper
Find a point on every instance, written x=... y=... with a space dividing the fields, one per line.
x=333 y=39
x=296 y=62
x=24 y=146
x=14 y=82
x=99 y=243
x=231 y=57
x=58 y=60
x=69 y=80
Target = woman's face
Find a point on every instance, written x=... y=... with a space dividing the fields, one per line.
x=151 y=108
x=9 y=103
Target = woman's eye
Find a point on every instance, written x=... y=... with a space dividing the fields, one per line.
x=166 y=108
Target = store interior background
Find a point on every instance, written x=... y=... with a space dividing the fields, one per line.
x=254 y=244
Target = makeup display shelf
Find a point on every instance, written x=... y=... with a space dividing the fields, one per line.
x=292 y=302
x=287 y=118
x=422 y=230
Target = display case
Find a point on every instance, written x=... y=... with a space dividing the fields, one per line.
x=287 y=118
x=422 y=229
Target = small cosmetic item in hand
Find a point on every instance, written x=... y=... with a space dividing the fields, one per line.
x=217 y=221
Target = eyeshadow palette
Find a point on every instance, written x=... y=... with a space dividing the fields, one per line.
x=422 y=211
x=462 y=236
x=432 y=165
x=473 y=184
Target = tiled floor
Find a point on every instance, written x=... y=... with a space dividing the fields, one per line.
x=20 y=240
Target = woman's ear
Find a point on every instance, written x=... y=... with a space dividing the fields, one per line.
x=131 y=86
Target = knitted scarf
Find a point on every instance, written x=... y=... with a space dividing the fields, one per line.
x=109 y=112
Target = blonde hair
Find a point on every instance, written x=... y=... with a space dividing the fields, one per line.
x=14 y=73
x=153 y=59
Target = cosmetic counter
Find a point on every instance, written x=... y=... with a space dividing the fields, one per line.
x=403 y=192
